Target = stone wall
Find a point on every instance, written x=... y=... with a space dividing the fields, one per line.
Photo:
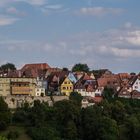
x=18 y=101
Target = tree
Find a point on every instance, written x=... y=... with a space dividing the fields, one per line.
x=3 y=138
x=76 y=97
x=80 y=67
x=118 y=111
x=65 y=69
x=68 y=118
x=108 y=93
x=8 y=66
x=43 y=133
x=98 y=127
x=70 y=131
x=132 y=125
x=12 y=135
x=5 y=115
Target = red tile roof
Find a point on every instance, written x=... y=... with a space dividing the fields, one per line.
x=41 y=66
x=34 y=70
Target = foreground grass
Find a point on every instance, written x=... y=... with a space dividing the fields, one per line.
x=21 y=130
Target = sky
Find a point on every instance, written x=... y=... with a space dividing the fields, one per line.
x=104 y=34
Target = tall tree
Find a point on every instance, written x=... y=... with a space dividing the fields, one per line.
x=5 y=115
x=80 y=67
x=7 y=66
x=76 y=97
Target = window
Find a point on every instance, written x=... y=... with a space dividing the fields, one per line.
x=136 y=87
x=65 y=82
x=63 y=88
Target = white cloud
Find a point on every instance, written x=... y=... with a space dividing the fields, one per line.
x=119 y=52
x=132 y=37
x=14 y=11
x=31 y=2
x=54 y=7
x=109 y=49
x=34 y=2
x=6 y=20
x=98 y=11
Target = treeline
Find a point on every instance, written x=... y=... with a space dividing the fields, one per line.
x=112 y=119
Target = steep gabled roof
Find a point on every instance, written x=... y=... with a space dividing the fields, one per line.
x=41 y=66
x=35 y=70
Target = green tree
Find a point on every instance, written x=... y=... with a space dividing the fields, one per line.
x=44 y=133
x=3 y=138
x=106 y=108
x=98 y=127
x=80 y=67
x=71 y=131
x=65 y=69
x=8 y=66
x=132 y=125
x=108 y=93
x=68 y=117
x=12 y=135
x=118 y=111
x=5 y=115
x=76 y=97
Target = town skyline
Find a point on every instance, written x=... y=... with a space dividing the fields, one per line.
x=104 y=34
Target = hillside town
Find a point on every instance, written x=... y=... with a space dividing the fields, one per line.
x=40 y=81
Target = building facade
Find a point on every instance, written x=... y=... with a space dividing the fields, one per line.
x=17 y=86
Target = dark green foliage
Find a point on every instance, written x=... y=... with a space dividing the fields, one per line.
x=118 y=111
x=44 y=133
x=108 y=93
x=96 y=126
x=70 y=132
x=76 y=97
x=3 y=138
x=12 y=135
x=112 y=119
x=80 y=67
x=7 y=66
x=65 y=69
x=132 y=125
x=5 y=115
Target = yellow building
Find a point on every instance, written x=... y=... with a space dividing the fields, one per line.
x=66 y=86
x=17 y=86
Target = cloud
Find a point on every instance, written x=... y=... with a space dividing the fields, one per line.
x=6 y=20
x=133 y=38
x=98 y=11
x=54 y=7
x=34 y=2
x=31 y=2
x=116 y=49
x=14 y=11
x=120 y=52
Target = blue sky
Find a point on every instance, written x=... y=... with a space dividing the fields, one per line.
x=101 y=33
